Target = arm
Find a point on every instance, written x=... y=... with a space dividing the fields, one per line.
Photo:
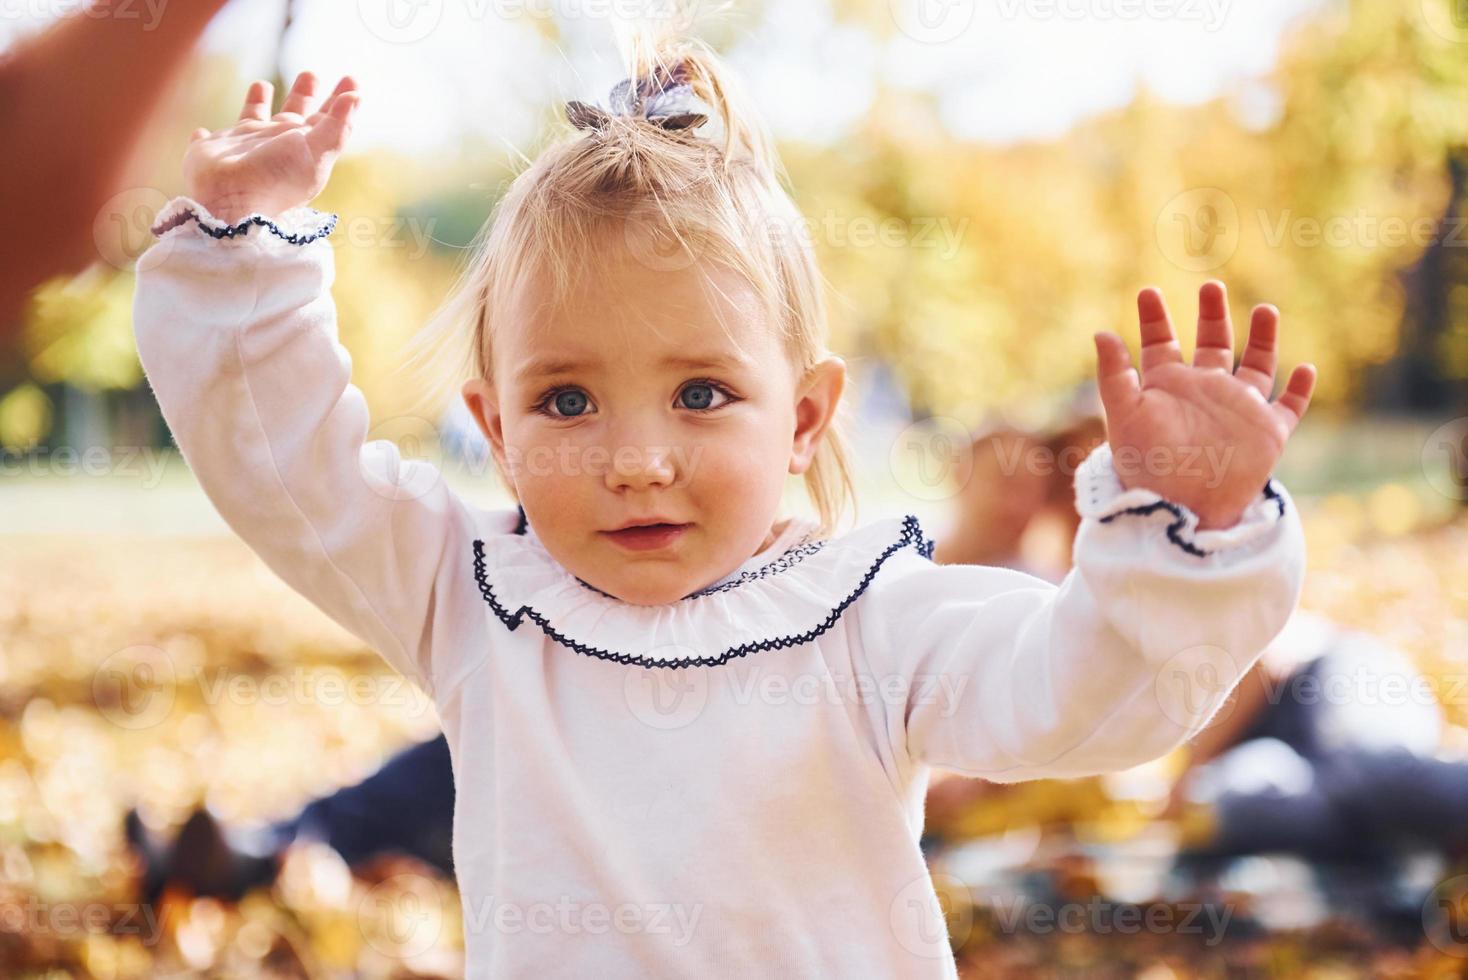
x=1188 y=560
x=238 y=338
x=58 y=96
x=1011 y=677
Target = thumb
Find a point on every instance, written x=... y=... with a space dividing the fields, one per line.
x=1116 y=380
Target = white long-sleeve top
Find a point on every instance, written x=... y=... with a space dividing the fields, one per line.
x=728 y=785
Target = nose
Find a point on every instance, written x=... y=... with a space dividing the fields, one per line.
x=635 y=466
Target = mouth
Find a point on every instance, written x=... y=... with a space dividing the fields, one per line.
x=646 y=537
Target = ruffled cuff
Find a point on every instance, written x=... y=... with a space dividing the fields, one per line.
x=1100 y=495
x=295 y=226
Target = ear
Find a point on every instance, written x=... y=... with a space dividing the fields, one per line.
x=815 y=407
x=484 y=405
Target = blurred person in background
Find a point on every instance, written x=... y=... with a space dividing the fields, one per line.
x=1015 y=507
x=1327 y=751
x=398 y=819
x=73 y=133
x=1000 y=492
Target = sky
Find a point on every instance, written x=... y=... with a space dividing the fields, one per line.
x=433 y=71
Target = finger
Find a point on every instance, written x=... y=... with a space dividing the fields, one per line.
x=329 y=135
x=302 y=95
x=347 y=84
x=198 y=134
x=1296 y=398
x=1116 y=380
x=1215 y=347
x=257 y=101
x=1261 y=354
x=1159 y=346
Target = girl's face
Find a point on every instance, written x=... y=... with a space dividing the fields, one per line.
x=650 y=395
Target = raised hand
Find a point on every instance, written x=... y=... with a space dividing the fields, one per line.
x=1205 y=436
x=270 y=163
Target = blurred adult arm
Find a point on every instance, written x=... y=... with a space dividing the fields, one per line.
x=75 y=99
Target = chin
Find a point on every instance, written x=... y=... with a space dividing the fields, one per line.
x=650 y=594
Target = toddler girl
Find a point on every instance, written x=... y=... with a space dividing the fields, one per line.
x=690 y=737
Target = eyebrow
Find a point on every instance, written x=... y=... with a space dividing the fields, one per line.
x=545 y=367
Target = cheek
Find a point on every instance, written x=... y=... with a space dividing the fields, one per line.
x=548 y=466
x=739 y=462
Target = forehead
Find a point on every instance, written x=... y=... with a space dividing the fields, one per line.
x=630 y=315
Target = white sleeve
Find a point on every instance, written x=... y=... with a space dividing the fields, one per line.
x=236 y=330
x=1009 y=677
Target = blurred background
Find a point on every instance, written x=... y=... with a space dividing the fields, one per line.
x=987 y=183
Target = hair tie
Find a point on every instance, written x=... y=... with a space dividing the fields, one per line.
x=664 y=98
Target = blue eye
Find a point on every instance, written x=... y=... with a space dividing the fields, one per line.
x=569 y=403
x=698 y=396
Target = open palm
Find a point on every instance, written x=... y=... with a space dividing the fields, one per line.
x=270 y=163
x=1205 y=436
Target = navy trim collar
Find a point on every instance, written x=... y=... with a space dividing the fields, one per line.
x=911 y=535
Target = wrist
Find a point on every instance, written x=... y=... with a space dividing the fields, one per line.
x=233 y=208
x=231 y=212
x=1210 y=518
x=1208 y=521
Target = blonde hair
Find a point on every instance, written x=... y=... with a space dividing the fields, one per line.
x=676 y=198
